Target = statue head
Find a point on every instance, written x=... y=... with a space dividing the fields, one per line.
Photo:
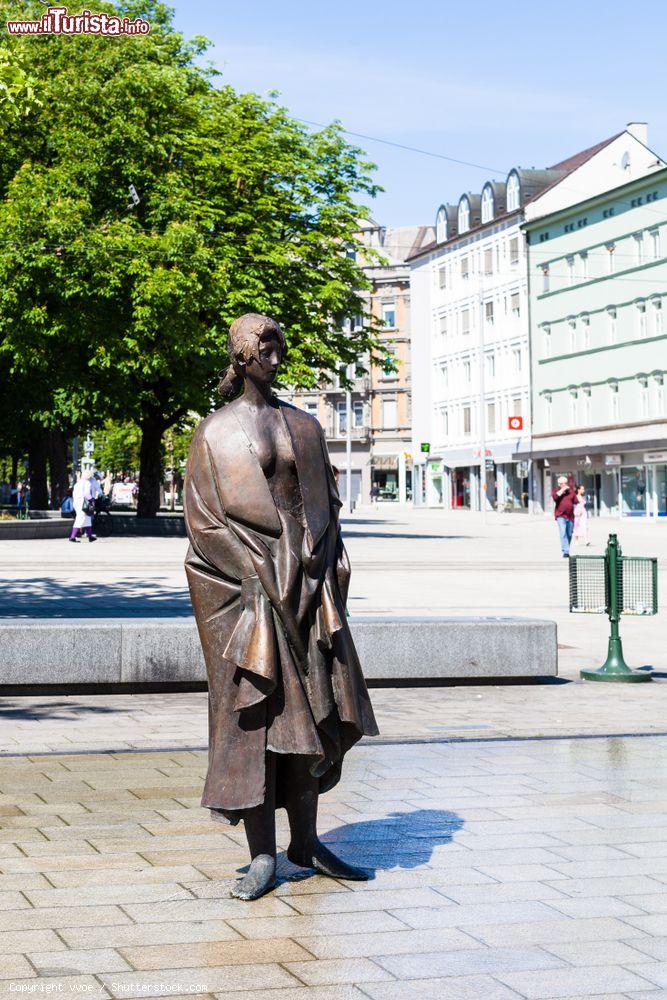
x=256 y=346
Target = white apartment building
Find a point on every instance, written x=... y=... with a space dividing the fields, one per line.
x=470 y=329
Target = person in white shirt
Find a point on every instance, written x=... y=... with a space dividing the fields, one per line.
x=81 y=495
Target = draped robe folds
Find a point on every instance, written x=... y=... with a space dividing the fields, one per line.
x=269 y=591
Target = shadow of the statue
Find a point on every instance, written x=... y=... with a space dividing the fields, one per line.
x=399 y=840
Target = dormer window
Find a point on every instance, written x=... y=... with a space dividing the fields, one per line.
x=513 y=192
x=464 y=215
x=488 y=208
x=441 y=225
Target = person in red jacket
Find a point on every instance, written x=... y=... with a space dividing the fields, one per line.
x=564 y=500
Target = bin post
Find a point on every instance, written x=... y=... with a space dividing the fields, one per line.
x=614 y=668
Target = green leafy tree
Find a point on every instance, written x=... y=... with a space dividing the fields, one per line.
x=114 y=308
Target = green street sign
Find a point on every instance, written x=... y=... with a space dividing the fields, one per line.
x=425 y=447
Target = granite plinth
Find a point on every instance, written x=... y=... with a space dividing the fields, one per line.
x=167 y=650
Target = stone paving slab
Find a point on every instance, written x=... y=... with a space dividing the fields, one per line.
x=124 y=892
x=96 y=724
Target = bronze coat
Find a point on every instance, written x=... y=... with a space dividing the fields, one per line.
x=269 y=598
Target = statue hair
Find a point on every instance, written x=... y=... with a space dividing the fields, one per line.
x=242 y=346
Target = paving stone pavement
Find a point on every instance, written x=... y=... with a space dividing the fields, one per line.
x=42 y=723
x=517 y=868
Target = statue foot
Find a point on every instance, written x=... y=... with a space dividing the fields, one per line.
x=323 y=861
x=261 y=878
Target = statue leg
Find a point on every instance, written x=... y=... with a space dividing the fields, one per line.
x=305 y=849
x=260 y=829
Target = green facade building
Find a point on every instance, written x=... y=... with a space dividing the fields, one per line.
x=598 y=346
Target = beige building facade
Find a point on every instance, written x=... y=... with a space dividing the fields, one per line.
x=380 y=400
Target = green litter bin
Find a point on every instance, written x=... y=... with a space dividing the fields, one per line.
x=615 y=585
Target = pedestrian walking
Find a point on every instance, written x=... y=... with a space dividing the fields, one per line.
x=580 y=533
x=564 y=499
x=375 y=494
x=84 y=505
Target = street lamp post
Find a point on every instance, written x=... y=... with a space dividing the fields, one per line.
x=348 y=443
x=482 y=394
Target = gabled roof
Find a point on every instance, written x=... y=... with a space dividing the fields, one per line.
x=573 y=162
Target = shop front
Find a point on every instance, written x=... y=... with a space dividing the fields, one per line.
x=393 y=476
x=626 y=484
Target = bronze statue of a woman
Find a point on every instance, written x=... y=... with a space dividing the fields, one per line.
x=268 y=578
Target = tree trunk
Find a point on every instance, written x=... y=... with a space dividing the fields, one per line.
x=58 y=470
x=150 y=466
x=37 y=452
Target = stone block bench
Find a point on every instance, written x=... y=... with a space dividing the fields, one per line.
x=72 y=652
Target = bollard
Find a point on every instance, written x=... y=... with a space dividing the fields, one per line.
x=614 y=584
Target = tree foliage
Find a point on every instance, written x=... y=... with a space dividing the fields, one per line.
x=111 y=309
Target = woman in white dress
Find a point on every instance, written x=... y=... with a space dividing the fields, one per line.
x=580 y=533
x=81 y=493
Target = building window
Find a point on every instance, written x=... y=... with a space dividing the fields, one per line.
x=389 y=314
x=441 y=225
x=585 y=322
x=389 y=414
x=444 y=376
x=491 y=418
x=444 y=423
x=464 y=215
x=583 y=266
x=547 y=340
x=488 y=312
x=465 y=268
x=569 y=261
x=513 y=193
x=574 y=407
x=357 y=413
x=615 y=403
x=516 y=361
x=572 y=327
x=641 y=320
x=443 y=326
x=310 y=407
x=490 y=361
x=545 y=278
x=487 y=204
x=514 y=250
x=341 y=413
x=515 y=304
x=467 y=372
x=442 y=277
x=611 y=247
x=488 y=260
x=660 y=393
x=643 y=396
x=654 y=236
x=612 y=320
x=467 y=425
x=465 y=322
x=657 y=317
x=586 y=403
x=388 y=363
x=517 y=406
x=547 y=410
x=639 y=248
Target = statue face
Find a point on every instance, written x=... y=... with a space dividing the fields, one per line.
x=263 y=369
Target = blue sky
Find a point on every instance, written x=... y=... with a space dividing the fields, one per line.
x=496 y=84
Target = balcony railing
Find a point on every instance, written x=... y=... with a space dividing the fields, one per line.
x=334 y=433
